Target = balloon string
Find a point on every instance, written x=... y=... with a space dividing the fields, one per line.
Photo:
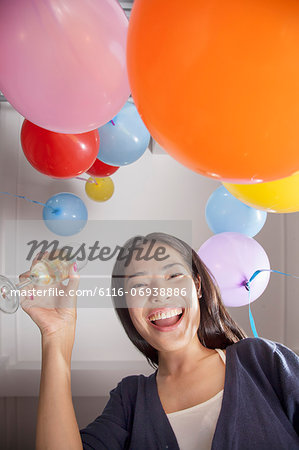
x=112 y=123
x=251 y=319
x=94 y=180
x=247 y=286
x=29 y=200
x=88 y=181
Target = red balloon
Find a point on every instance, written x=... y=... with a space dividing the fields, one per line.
x=100 y=169
x=59 y=155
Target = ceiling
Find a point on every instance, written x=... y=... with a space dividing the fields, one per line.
x=127 y=6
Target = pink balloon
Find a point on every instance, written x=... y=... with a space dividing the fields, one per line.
x=232 y=258
x=63 y=62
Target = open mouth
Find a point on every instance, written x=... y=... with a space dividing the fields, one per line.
x=163 y=323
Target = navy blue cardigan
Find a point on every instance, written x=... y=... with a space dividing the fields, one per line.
x=259 y=411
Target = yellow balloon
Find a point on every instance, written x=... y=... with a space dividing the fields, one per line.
x=279 y=196
x=101 y=191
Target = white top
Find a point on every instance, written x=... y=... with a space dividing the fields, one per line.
x=194 y=427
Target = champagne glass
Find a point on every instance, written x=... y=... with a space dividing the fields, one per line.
x=49 y=270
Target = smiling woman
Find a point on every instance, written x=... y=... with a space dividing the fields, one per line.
x=179 y=281
x=213 y=387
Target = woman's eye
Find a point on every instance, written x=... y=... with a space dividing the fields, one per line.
x=138 y=285
x=175 y=275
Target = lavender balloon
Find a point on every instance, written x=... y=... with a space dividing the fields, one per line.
x=232 y=258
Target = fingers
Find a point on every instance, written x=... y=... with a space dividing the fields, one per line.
x=73 y=284
x=38 y=258
x=24 y=275
x=74 y=279
x=26 y=301
x=26 y=289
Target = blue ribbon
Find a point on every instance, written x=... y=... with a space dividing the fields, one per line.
x=247 y=286
x=28 y=199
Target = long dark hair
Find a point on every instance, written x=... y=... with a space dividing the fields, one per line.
x=216 y=329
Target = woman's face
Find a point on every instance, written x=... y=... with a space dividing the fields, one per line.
x=166 y=286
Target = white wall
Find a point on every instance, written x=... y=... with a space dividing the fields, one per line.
x=154 y=188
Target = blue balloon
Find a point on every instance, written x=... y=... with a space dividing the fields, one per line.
x=224 y=213
x=126 y=140
x=65 y=214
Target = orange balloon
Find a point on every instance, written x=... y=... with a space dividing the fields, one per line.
x=217 y=84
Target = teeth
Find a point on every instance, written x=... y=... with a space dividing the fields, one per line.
x=163 y=315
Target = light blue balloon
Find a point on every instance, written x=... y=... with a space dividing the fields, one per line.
x=125 y=141
x=65 y=214
x=224 y=213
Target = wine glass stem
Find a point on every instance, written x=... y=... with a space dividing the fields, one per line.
x=24 y=283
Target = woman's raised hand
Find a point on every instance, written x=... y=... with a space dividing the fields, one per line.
x=55 y=315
